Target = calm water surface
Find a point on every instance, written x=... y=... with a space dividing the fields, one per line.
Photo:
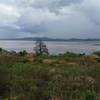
x=54 y=47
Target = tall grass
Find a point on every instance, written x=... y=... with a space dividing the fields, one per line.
x=76 y=78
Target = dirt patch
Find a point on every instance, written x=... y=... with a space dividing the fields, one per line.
x=52 y=72
x=48 y=61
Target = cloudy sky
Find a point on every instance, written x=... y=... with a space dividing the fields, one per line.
x=50 y=18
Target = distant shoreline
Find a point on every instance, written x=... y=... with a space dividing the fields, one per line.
x=51 y=39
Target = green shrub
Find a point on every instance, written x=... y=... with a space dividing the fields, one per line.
x=23 y=53
x=97 y=53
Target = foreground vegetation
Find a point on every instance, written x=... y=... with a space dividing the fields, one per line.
x=63 y=77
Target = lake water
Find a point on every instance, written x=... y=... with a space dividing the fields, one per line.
x=54 y=47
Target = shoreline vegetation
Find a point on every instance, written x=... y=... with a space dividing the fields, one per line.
x=68 y=76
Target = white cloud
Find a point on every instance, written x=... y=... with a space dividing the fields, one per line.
x=8 y=15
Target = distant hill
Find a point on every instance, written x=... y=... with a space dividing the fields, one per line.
x=50 y=39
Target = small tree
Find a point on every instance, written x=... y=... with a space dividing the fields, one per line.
x=40 y=48
x=23 y=53
x=0 y=49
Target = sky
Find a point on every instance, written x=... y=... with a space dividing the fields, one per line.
x=50 y=18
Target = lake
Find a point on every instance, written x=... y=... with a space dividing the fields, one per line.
x=54 y=47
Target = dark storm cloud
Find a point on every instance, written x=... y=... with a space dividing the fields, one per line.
x=40 y=3
x=51 y=4
x=33 y=28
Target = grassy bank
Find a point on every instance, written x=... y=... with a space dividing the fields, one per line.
x=63 y=77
